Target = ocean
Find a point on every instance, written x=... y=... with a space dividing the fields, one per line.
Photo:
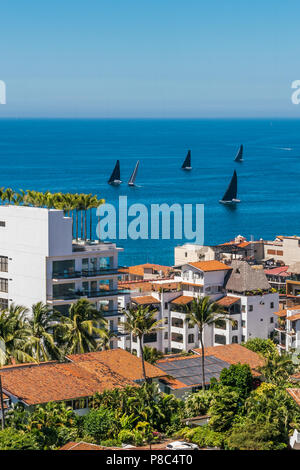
x=78 y=156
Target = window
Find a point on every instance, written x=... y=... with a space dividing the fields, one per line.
x=272 y=305
x=220 y=339
x=250 y=308
x=243 y=308
x=2 y=223
x=4 y=264
x=166 y=305
x=271 y=320
x=166 y=320
x=191 y=338
x=166 y=335
x=221 y=324
x=243 y=323
x=3 y=284
x=234 y=339
x=185 y=254
x=111 y=325
x=243 y=338
x=3 y=303
x=235 y=325
x=261 y=319
x=177 y=322
x=177 y=337
x=150 y=338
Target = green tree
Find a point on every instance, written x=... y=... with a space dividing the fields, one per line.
x=204 y=312
x=81 y=330
x=12 y=439
x=197 y=404
x=278 y=369
x=99 y=423
x=265 y=347
x=13 y=335
x=239 y=377
x=250 y=436
x=223 y=409
x=139 y=321
x=152 y=355
x=40 y=342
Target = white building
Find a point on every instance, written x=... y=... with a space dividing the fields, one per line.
x=39 y=261
x=288 y=329
x=242 y=291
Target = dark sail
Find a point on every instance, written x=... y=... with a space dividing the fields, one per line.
x=239 y=155
x=231 y=192
x=115 y=176
x=134 y=173
x=187 y=161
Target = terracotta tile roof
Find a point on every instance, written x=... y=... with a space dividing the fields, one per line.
x=281 y=313
x=82 y=376
x=139 y=269
x=142 y=286
x=165 y=285
x=228 y=300
x=233 y=354
x=41 y=383
x=87 y=446
x=295 y=394
x=145 y=300
x=117 y=360
x=185 y=283
x=212 y=265
x=182 y=300
x=280 y=271
x=294 y=317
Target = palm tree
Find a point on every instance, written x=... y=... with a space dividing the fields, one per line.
x=278 y=368
x=13 y=335
x=139 y=321
x=94 y=202
x=80 y=331
x=40 y=342
x=152 y=355
x=8 y=195
x=201 y=312
x=104 y=343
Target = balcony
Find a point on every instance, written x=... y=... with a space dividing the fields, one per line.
x=84 y=273
x=87 y=245
x=88 y=294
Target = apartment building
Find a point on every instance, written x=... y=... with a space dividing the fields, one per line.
x=288 y=329
x=39 y=261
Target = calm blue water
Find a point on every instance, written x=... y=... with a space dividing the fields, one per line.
x=78 y=156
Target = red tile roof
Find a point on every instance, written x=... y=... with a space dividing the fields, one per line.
x=145 y=300
x=294 y=317
x=212 y=265
x=228 y=300
x=280 y=271
x=118 y=361
x=139 y=270
x=233 y=354
x=182 y=300
x=83 y=376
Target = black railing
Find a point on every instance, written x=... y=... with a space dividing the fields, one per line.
x=89 y=294
x=84 y=273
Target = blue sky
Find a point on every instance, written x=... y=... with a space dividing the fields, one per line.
x=149 y=58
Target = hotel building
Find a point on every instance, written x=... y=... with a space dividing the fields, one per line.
x=39 y=261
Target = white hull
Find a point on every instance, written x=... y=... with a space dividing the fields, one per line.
x=187 y=168
x=238 y=161
x=115 y=182
x=131 y=184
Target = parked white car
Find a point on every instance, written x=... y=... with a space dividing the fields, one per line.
x=182 y=445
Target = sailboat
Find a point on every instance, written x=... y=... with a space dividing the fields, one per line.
x=231 y=192
x=239 y=155
x=133 y=176
x=115 y=176
x=187 y=162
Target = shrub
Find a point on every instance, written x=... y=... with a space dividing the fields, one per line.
x=239 y=377
x=198 y=403
x=98 y=423
x=203 y=436
x=11 y=439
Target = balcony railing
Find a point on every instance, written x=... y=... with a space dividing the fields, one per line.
x=84 y=273
x=88 y=294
